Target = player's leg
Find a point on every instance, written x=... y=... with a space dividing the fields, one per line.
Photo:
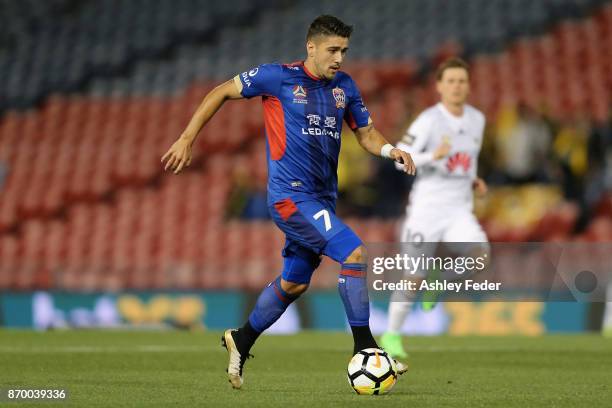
x=343 y=246
x=606 y=326
x=352 y=286
x=299 y=264
x=346 y=248
x=465 y=237
x=317 y=223
x=419 y=233
x=400 y=304
x=314 y=224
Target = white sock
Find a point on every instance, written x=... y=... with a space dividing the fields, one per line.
x=607 y=319
x=397 y=315
x=400 y=304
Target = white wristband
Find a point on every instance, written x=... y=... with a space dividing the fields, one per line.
x=386 y=151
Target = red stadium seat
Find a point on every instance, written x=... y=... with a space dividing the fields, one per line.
x=86 y=204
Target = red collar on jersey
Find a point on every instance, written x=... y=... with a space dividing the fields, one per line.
x=301 y=64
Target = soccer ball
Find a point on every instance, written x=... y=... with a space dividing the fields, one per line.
x=372 y=371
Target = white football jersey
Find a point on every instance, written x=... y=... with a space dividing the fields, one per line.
x=446 y=182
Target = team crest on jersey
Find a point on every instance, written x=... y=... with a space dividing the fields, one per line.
x=339 y=97
x=459 y=160
x=299 y=94
x=299 y=91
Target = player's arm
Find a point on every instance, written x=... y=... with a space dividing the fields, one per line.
x=358 y=119
x=422 y=158
x=179 y=154
x=479 y=185
x=374 y=142
x=415 y=142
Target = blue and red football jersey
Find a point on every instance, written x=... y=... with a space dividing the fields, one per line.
x=303 y=121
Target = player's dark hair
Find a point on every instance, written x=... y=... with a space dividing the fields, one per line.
x=454 y=62
x=328 y=25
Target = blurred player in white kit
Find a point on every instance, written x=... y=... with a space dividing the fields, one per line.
x=444 y=142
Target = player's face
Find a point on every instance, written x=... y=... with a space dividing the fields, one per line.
x=327 y=54
x=454 y=86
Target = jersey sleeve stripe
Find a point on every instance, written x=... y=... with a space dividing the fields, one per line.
x=274 y=120
x=350 y=120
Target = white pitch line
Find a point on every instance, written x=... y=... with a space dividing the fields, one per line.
x=202 y=349
x=102 y=349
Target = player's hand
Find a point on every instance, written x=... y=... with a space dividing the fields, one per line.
x=480 y=187
x=178 y=156
x=401 y=156
x=442 y=151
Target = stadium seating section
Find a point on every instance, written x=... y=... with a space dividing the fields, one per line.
x=94 y=92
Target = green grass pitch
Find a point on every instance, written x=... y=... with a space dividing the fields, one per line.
x=169 y=368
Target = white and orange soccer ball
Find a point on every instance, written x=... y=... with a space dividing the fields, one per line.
x=372 y=372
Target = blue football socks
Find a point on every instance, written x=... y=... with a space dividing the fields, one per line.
x=352 y=285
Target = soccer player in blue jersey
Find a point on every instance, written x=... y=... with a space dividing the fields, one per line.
x=304 y=106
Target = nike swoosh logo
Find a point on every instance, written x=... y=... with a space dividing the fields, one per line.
x=377 y=363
